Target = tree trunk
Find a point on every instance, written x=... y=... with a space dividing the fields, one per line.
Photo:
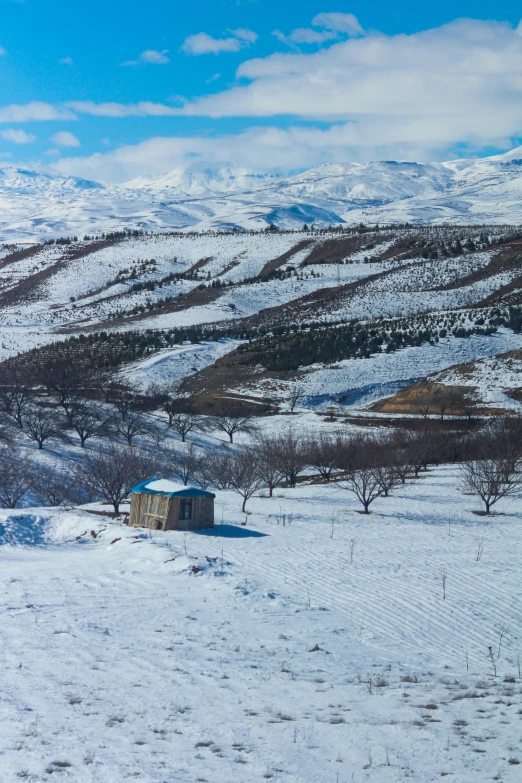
x=243 y=507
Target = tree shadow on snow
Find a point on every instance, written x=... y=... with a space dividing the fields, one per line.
x=23 y=530
x=230 y=531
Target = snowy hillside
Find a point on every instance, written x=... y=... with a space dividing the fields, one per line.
x=40 y=202
x=455 y=283
x=317 y=650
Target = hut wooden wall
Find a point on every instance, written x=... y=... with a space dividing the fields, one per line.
x=148 y=510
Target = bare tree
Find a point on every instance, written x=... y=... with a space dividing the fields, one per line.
x=63 y=377
x=186 y=464
x=88 y=422
x=232 y=421
x=291 y=455
x=124 y=399
x=15 y=397
x=365 y=485
x=52 y=485
x=360 y=461
x=269 y=466
x=245 y=479
x=131 y=427
x=216 y=469
x=323 y=454
x=295 y=396
x=16 y=471
x=445 y=398
x=424 y=403
x=491 y=479
x=469 y=402
x=111 y=474
x=184 y=423
x=41 y=425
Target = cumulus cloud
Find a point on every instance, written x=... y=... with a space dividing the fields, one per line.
x=342 y=23
x=459 y=83
x=331 y=27
x=66 y=61
x=17 y=136
x=65 y=139
x=34 y=112
x=202 y=43
x=150 y=57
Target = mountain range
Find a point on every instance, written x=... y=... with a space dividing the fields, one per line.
x=38 y=202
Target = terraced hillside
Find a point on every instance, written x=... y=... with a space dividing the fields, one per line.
x=255 y=311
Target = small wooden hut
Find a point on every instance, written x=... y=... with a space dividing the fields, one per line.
x=161 y=504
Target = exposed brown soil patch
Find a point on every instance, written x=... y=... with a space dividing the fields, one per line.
x=228 y=372
x=28 y=289
x=276 y=263
x=506 y=260
x=19 y=255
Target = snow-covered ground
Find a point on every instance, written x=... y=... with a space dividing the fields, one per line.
x=313 y=645
x=40 y=202
x=359 y=382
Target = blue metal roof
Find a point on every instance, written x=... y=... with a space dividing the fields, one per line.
x=190 y=492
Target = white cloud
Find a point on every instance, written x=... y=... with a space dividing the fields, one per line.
x=332 y=27
x=202 y=43
x=2 y=51
x=65 y=139
x=460 y=83
x=264 y=148
x=17 y=136
x=142 y=109
x=33 y=112
x=245 y=35
x=150 y=57
x=341 y=23
x=66 y=61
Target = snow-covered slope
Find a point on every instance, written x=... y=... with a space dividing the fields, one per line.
x=265 y=652
x=39 y=202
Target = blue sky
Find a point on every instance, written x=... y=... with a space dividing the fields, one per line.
x=113 y=90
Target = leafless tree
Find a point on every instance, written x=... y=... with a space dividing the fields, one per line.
x=323 y=454
x=469 y=402
x=216 y=469
x=42 y=424
x=186 y=464
x=245 y=479
x=110 y=474
x=15 y=397
x=88 y=421
x=131 y=427
x=295 y=396
x=491 y=479
x=424 y=403
x=445 y=398
x=365 y=485
x=232 y=421
x=63 y=377
x=16 y=471
x=107 y=386
x=124 y=399
x=184 y=423
x=53 y=485
x=291 y=454
x=269 y=465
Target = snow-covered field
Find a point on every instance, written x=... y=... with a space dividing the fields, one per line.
x=312 y=645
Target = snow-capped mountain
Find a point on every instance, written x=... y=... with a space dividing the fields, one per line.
x=38 y=202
